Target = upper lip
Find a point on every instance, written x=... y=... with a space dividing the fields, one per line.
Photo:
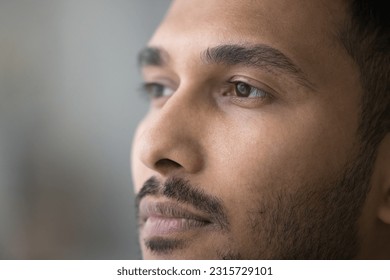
x=168 y=209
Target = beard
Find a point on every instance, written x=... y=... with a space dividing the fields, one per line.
x=317 y=221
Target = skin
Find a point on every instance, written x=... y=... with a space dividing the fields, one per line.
x=281 y=165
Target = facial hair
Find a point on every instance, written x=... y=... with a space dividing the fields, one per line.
x=317 y=221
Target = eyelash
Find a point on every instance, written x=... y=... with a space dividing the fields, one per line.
x=155 y=90
x=149 y=89
x=239 y=86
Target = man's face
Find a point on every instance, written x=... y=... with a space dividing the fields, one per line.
x=251 y=141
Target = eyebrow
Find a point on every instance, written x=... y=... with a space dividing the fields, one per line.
x=260 y=56
x=152 y=56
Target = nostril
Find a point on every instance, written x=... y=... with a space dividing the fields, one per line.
x=167 y=164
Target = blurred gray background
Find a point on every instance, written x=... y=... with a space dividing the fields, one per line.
x=68 y=109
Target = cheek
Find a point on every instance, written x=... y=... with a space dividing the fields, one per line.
x=275 y=152
x=138 y=170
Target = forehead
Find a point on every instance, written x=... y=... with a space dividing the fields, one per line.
x=305 y=30
x=247 y=18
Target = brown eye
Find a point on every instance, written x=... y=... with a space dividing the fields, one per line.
x=155 y=90
x=244 y=90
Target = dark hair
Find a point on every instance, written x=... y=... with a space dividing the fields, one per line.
x=366 y=38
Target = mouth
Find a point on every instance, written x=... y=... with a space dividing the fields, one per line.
x=163 y=219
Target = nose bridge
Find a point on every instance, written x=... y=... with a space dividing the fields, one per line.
x=183 y=108
x=173 y=134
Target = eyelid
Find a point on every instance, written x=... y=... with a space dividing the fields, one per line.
x=157 y=79
x=271 y=93
x=254 y=83
x=156 y=90
x=160 y=80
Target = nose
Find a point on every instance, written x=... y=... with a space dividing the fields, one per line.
x=170 y=139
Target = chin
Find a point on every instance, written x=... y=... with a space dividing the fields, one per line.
x=171 y=249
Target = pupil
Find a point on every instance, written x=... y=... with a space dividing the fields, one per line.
x=243 y=89
x=156 y=90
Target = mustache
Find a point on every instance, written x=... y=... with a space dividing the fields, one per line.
x=183 y=192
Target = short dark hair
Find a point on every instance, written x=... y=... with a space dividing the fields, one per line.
x=366 y=37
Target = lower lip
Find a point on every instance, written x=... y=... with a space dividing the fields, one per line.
x=160 y=226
